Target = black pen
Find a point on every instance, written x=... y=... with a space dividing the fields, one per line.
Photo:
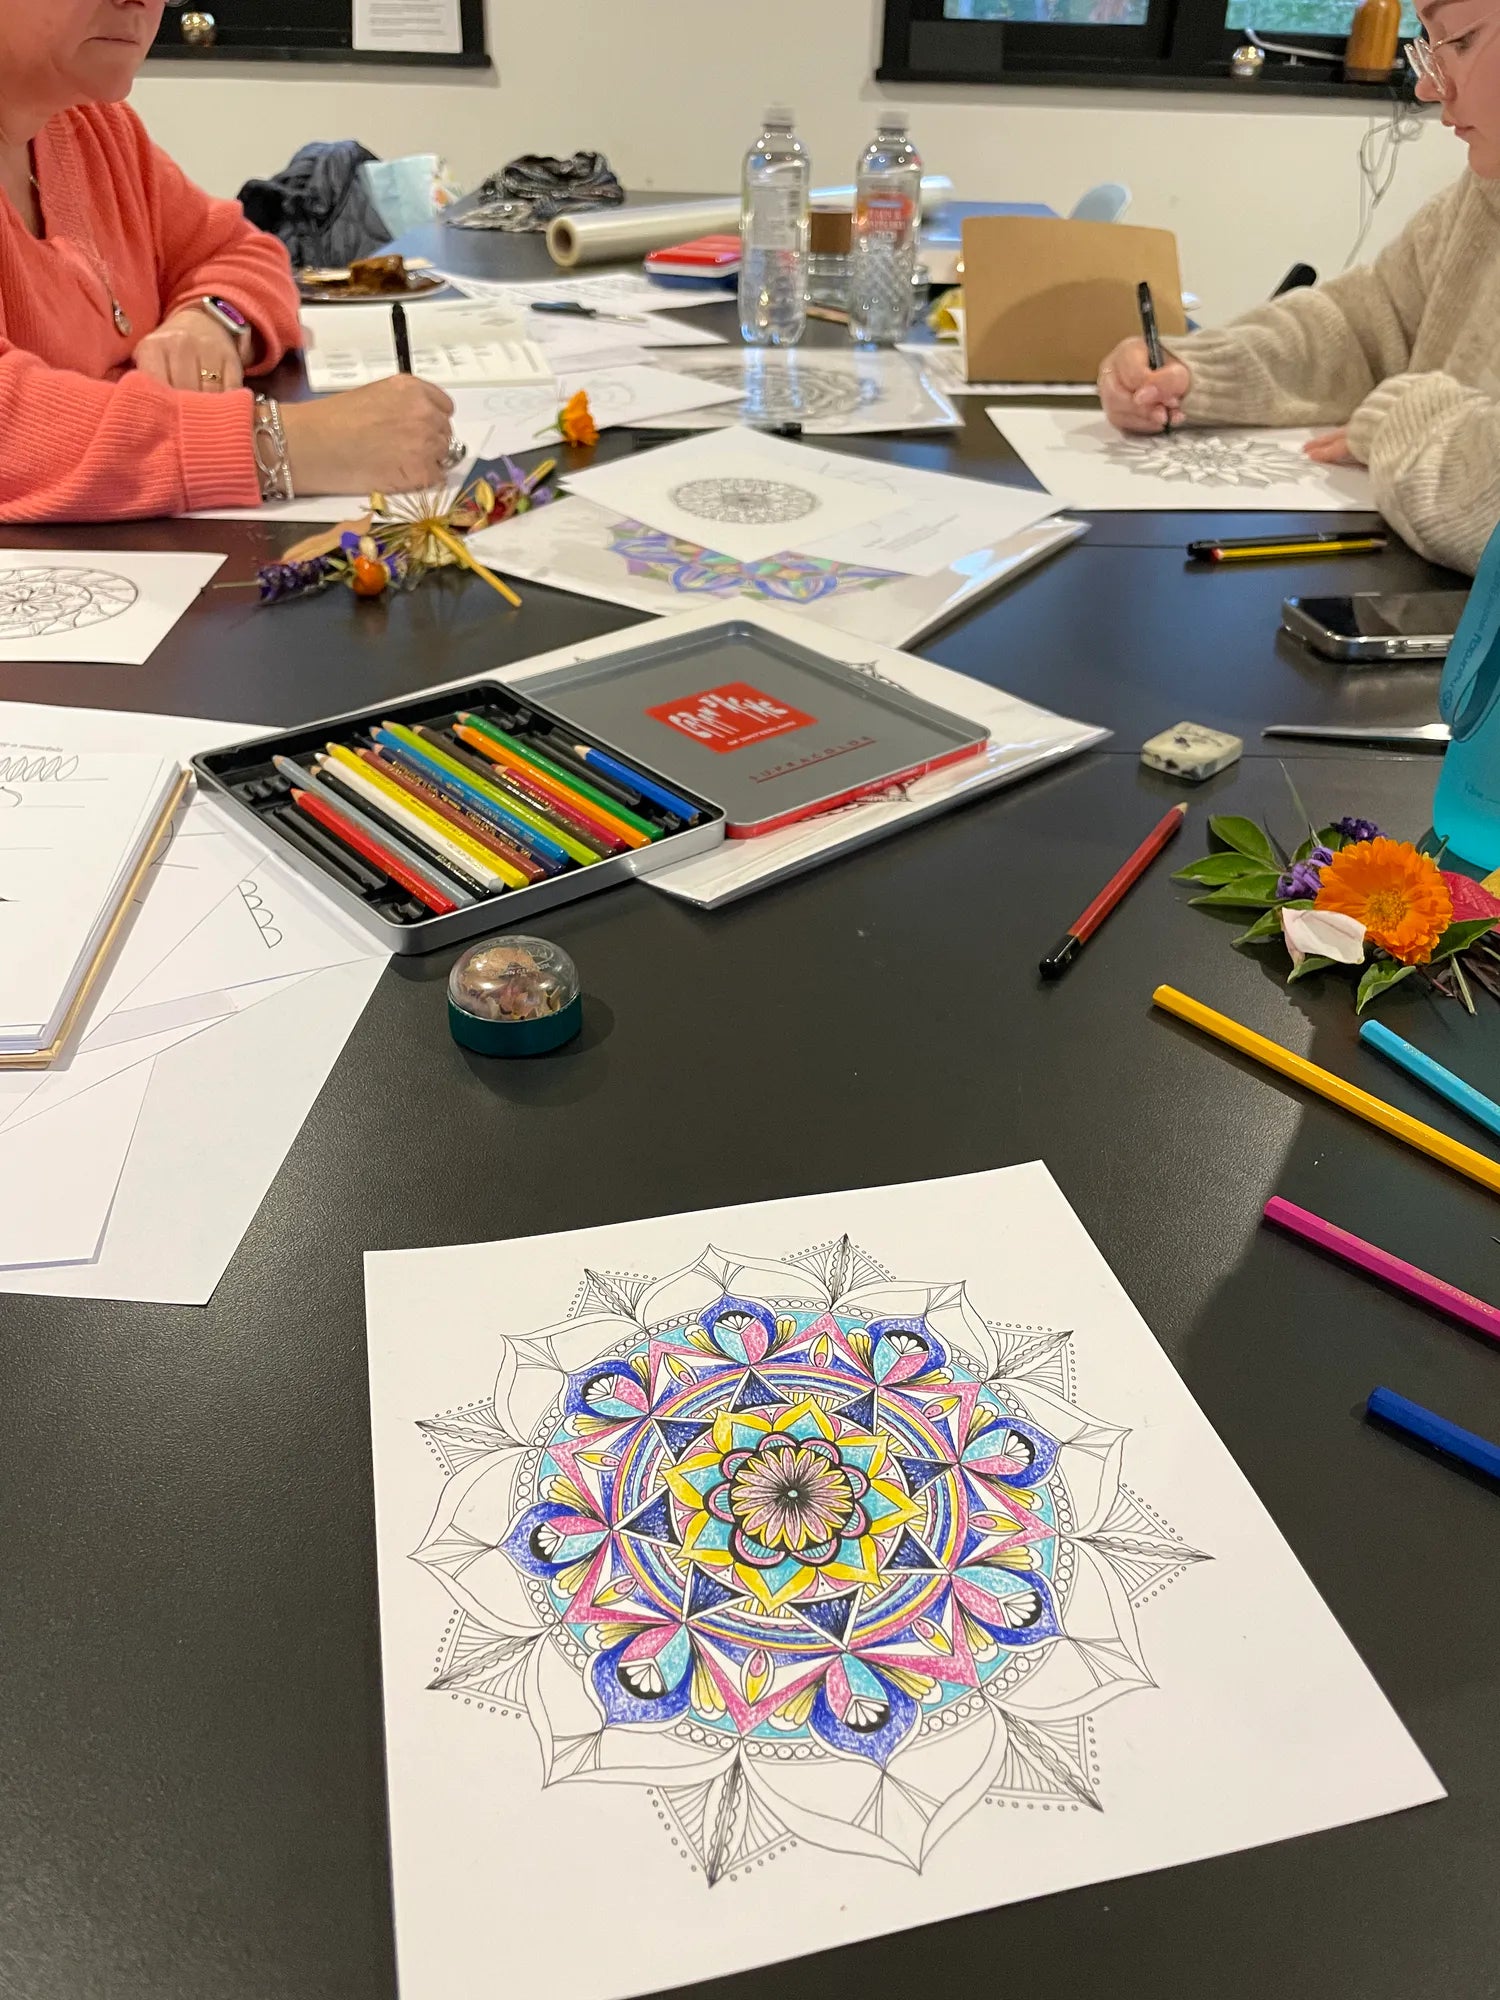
x=403 y=339
x=1265 y=548
x=1149 y=328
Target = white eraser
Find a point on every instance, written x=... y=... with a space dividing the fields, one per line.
x=1190 y=751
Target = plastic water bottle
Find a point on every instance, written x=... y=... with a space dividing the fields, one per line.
x=773 y=230
x=887 y=211
x=1466 y=811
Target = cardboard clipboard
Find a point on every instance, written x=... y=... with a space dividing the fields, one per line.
x=1045 y=300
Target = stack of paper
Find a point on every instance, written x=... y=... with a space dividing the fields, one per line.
x=73 y=831
x=132 y=1168
x=348 y=347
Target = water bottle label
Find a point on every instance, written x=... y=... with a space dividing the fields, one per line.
x=890 y=216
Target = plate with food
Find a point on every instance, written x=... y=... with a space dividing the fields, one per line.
x=370 y=278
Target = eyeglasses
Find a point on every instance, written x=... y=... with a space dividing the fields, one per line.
x=1426 y=65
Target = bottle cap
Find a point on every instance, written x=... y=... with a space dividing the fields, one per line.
x=895 y=121
x=778 y=116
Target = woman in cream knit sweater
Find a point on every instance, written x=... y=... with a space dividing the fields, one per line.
x=1401 y=358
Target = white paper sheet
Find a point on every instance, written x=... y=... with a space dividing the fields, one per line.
x=570 y=1699
x=945 y=368
x=736 y=491
x=1023 y=739
x=831 y=392
x=409 y=27
x=604 y=291
x=1082 y=459
x=514 y=420
x=560 y=334
x=452 y=341
x=109 y=608
x=242 y=999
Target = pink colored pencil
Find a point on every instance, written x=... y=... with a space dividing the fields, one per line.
x=1434 y=1292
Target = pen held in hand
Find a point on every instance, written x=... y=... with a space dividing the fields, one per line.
x=1154 y=355
x=403 y=338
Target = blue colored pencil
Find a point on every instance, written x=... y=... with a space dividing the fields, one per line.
x=419 y=864
x=472 y=799
x=1412 y=1420
x=1441 y=1082
x=638 y=781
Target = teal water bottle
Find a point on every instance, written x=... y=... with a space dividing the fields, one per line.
x=1466 y=811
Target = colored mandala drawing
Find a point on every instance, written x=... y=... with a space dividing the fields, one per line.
x=1208 y=460
x=785 y=579
x=41 y=602
x=808 y=1552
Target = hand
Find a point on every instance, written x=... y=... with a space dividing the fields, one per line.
x=189 y=350
x=389 y=438
x=1137 y=397
x=1332 y=448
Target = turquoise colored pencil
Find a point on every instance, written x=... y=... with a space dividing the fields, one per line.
x=1441 y=1082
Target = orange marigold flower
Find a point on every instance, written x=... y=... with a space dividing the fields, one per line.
x=1398 y=895
x=576 y=420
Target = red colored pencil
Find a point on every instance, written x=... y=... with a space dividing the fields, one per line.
x=1114 y=891
x=355 y=838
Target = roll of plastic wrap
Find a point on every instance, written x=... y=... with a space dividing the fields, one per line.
x=614 y=235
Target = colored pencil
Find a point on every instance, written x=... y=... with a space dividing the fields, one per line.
x=559 y=749
x=549 y=841
x=368 y=807
x=442 y=884
x=1409 y=1278
x=371 y=850
x=1348 y=1096
x=1427 y=1427
x=549 y=796
x=1286 y=545
x=418 y=787
x=509 y=838
x=649 y=788
x=557 y=819
x=563 y=767
x=426 y=827
x=533 y=764
x=1114 y=891
x=349 y=872
x=1441 y=1082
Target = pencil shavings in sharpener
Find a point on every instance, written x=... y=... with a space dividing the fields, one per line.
x=514 y=996
x=1190 y=751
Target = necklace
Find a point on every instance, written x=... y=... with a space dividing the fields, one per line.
x=118 y=313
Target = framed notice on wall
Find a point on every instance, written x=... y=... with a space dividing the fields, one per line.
x=362 y=31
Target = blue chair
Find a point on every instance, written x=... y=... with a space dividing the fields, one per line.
x=1105 y=203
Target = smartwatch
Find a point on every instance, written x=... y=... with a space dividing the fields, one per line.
x=229 y=317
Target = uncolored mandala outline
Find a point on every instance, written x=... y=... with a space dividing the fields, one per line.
x=744 y=501
x=1206 y=459
x=700 y=572
x=807 y=1552
x=42 y=601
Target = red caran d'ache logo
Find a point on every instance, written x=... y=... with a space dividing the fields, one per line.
x=730 y=717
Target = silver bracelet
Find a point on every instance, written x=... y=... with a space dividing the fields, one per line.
x=271 y=460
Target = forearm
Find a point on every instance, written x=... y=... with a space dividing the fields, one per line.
x=255 y=275
x=81 y=450
x=1302 y=360
x=1433 y=449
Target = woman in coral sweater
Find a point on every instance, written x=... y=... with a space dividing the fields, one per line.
x=1397 y=359
x=133 y=307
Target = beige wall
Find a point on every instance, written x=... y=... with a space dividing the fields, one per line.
x=665 y=88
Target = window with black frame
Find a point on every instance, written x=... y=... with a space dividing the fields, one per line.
x=1120 y=41
x=294 y=31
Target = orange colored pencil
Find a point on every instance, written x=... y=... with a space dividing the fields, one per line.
x=545 y=782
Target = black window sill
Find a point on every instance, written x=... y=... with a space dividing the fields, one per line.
x=1301 y=82
x=470 y=59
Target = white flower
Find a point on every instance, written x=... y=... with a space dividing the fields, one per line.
x=1323 y=934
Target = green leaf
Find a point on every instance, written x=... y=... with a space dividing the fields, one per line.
x=1250 y=892
x=1264 y=930
x=1302 y=813
x=1458 y=937
x=1331 y=838
x=1312 y=963
x=1382 y=974
x=1244 y=836
x=1215 y=868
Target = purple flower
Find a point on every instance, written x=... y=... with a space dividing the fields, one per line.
x=1356 y=830
x=1304 y=878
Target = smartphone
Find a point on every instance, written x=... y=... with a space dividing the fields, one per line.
x=1411 y=625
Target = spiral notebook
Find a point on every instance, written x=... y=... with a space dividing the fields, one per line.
x=76 y=834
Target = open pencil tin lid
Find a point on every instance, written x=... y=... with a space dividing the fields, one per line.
x=768 y=725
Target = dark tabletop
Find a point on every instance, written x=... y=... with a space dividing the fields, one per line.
x=192 y=1797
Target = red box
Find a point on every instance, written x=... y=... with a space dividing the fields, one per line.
x=730 y=717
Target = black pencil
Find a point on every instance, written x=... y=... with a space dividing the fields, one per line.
x=327 y=855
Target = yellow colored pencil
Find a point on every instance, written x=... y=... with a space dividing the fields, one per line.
x=456 y=548
x=404 y=808
x=1348 y=1096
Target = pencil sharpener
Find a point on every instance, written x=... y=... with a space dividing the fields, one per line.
x=514 y=996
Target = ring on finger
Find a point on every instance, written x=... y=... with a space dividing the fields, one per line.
x=454 y=455
x=207 y=375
